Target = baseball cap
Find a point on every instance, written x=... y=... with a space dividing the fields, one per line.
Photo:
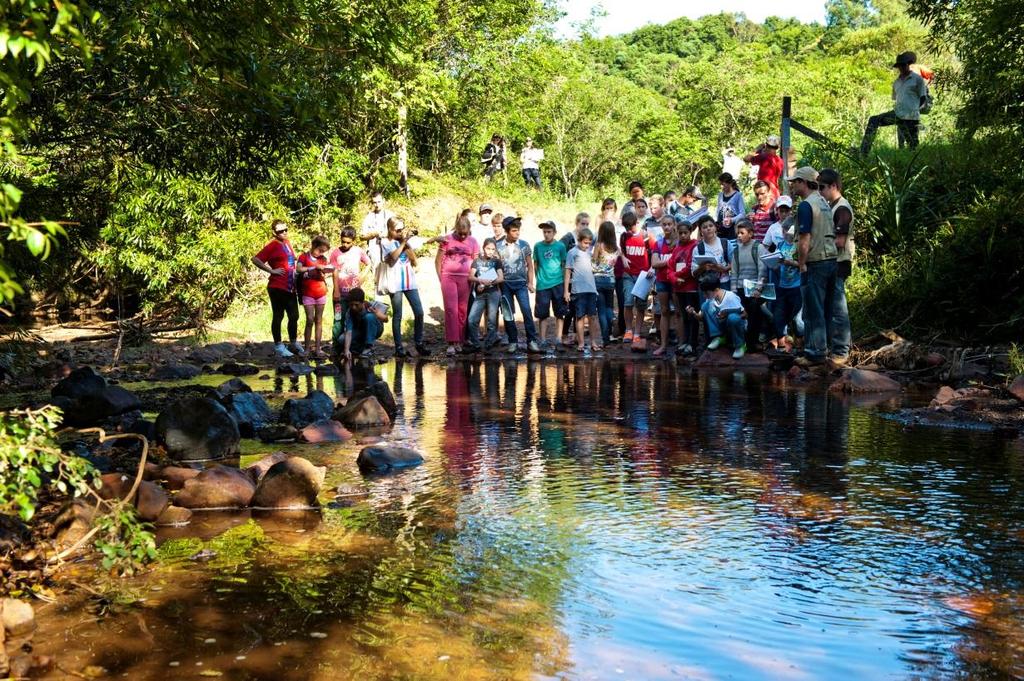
x=806 y=173
x=485 y=208
x=772 y=141
x=549 y=224
x=905 y=58
x=509 y=219
x=784 y=201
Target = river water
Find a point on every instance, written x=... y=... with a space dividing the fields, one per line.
x=597 y=521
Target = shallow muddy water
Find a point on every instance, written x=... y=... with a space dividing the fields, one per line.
x=596 y=521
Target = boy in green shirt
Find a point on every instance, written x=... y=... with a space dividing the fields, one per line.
x=549 y=258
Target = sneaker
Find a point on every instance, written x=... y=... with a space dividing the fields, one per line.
x=614 y=339
x=840 y=361
x=806 y=362
x=297 y=349
x=422 y=350
x=450 y=351
x=715 y=343
x=533 y=347
x=366 y=354
x=739 y=352
x=512 y=348
x=628 y=338
x=282 y=351
x=685 y=349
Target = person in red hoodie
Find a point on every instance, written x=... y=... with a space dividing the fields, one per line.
x=684 y=287
x=636 y=248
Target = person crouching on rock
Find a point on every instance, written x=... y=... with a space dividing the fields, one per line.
x=364 y=324
x=722 y=313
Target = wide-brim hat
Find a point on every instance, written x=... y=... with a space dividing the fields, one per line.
x=806 y=173
x=907 y=58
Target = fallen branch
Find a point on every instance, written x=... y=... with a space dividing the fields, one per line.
x=129 y=498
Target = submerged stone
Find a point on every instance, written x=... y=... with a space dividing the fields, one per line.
x=383 y=458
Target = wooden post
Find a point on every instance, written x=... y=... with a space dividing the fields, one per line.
x=784 y=134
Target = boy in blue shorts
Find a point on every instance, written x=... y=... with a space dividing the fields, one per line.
x=579 y=271
x=549 y=260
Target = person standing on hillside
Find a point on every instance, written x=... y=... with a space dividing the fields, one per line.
x=375 y=227
x=817 y=260
x=493 y=158
x=909 y=94
x=277 y=259
x=769 y=163
x=530 y=159
x=840 y=335
x=731 y=163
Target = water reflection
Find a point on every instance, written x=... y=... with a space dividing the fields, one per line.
x=573 y=520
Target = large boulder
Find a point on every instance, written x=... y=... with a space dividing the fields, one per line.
x=315 y=406
x=362 y=412
x=93 y=408
x=384 y=458
x=294 y=369
x=211 y=353
x=174 y=516
x=382 y=392
x=250 y=411
x=863 y=381
x=80 y=383
x=257 y=470
x=278 y=432
x=18 y=617
x=292 y=483
x=327 y=430
x=176 y=372
x=197 y=429
x=217 y=487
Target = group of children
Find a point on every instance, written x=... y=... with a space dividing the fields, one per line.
x=669 y=260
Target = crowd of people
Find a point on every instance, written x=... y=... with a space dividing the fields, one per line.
x=666 y=274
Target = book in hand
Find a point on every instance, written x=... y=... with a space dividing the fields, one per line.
x=642 y=287
x=772 y=260
x=767 y=291
x=707 y=258
x=380 y=306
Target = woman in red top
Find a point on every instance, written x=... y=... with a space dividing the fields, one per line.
x=312 y=266
x=684 y=286
x=278 y=260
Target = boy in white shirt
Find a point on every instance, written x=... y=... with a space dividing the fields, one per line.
x=722 y=313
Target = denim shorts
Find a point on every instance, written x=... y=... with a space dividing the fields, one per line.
x=585 y=304
x=549 y=299
x=662 y=287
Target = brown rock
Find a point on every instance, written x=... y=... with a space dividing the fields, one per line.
x=152 y=471
x=362 y=412
x=175 y=477
x=326 y=430
x=257 y=470
x=18 y=616
x=292 y=483
x=944 y=396
x=1017 y=387
x=114 y=486
x=217 y=487
x=174 y=515
x=151 y=501
x=861 y=381
x=934 y=359
x=72 y=523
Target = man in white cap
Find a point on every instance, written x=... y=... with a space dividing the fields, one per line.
x=769 y=163
x=375 y=227
x=481 y=229
x=909 y=94
x=817 y=251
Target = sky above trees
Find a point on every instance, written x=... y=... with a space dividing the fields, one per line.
x=622 y=16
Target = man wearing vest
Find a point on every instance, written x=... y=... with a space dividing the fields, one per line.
x=817 y=259
x=839 y=333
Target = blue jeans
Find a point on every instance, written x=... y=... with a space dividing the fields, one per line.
x=734 y=327
x=785 y=308
x=605 y=307
x=490 y=301
x=413 y=296
x=818 y=285
x=840 y=333
x=364 y=335
x=518 y=293
x=532 y=177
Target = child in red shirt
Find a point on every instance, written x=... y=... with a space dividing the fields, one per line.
x=312 y=266
x=684 y=287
